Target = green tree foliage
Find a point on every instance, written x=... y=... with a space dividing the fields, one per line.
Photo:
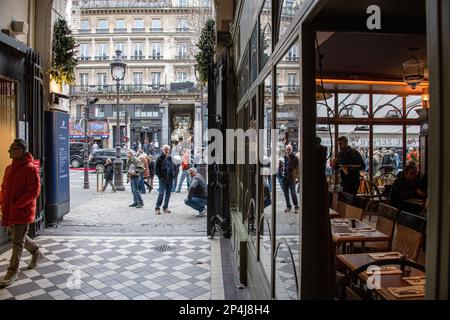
x=64 y=47
x=206 y=46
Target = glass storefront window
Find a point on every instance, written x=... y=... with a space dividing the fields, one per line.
x=353 y=105
x=266 y=176
x=287 y=182
x=289 y=9
x=387 y=106
x=387 y=153
x=265 y=33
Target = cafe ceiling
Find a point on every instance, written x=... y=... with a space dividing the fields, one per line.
x=353 y=52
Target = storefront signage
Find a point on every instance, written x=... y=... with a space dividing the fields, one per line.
x=96 y=129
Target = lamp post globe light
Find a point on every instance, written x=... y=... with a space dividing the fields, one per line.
x=118 y=67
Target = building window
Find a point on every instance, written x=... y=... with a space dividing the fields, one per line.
x=122 y=113
x=156 y=51
x=182 y=3
x=182 y=50
x=138 y=51
x=102 y=25
x=182 y=76
x=137 y=78
x=138 y=24
x=156 y=78
x=156 y=25
x=207 y=3
x=84 y=51
x=121 y=47
x=182 y=25
x=120 y=25
x=84 y=79
x=141 y=111
x=101 y=80
x=292 y=81
x=99 y=111
x=292 y=54
x=102 y=52
x=85 y=26
x=265 y=33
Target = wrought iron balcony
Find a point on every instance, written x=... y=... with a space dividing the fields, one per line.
x=138 y=29
x=120 y=30
x=85 y=58
x=182 y=57
x=156 y=29
x=292 y=58
x=103 y=57
x=155 y=57
x=84 y=30
x=179 y=87
x=183 y=29
x=98 y=30
x=139 y=57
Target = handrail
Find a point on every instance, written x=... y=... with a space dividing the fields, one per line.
x=284 y=241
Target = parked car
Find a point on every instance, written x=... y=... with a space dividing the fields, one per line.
x=76 y=154
x=98 y=158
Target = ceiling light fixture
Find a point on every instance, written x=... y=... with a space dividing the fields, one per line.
x=413 y=70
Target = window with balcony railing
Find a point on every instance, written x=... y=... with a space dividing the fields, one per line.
x=84 y=79
x=182 y=25
x=156 y=25
x=120 y=26
x=182 y=51
x=85 y=26
x=138 y=51
x=84 y=52
x=182 y=77
x=138 y=25
x=156 y=51
x=102 y=26
x=156 y=79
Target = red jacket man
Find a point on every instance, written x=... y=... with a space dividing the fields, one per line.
x=19 y=191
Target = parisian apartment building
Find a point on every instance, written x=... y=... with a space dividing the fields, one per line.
x=160 y=99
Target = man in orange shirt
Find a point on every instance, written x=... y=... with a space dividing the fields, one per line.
x=19 y=191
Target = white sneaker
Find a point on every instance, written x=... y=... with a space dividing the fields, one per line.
x=202 y=213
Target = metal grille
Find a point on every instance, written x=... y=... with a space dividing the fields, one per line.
x=162 y=247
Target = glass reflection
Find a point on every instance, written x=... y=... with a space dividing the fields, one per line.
x=287 y=186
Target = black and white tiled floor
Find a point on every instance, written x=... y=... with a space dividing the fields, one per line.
x=118 y=268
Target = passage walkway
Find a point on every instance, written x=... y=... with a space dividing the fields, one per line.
x=104 y=249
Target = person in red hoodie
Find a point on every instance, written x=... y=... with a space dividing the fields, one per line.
x=19 y=190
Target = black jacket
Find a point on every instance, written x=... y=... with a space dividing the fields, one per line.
x=109 y=172
x=402 y=189
x=164 y=168
x=350 y=156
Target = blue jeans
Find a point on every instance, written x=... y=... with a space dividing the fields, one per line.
x=196 y=203
x=137 y=199
x=165 y=189
x=184 y=174
x=142 y=184
x=289 y=187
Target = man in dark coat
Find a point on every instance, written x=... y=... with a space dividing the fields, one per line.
x=405 y=187
x=286 y=171
x=350 y=163
x=165 y=171
x=19 y=191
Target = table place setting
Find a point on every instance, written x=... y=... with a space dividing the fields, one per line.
x=407 y=292
x=348 y=234
x=415 y=281
x=385 y=255
x=385 y=270
x=362 y=229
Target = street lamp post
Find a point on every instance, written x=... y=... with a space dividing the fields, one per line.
x=89 y=102
x=118 y=67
